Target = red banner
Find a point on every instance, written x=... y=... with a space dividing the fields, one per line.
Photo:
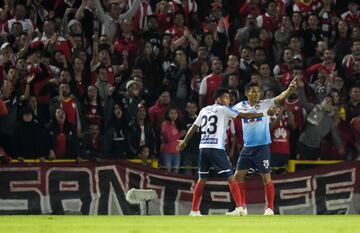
x=100 y=189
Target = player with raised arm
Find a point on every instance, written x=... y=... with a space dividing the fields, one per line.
x=256 y=135
x=212 y=121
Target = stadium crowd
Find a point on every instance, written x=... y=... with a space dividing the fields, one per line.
x=104 y=79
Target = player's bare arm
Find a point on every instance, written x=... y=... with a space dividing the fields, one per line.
x=182 y=143
x=278 y=100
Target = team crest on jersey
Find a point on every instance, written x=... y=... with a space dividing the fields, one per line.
x=252 y=121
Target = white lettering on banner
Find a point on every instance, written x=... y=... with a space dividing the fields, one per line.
x=329 y=193
x=93 y=190
x=69 y=169
x=220 y=196
x=127 y=177
x=7 y=204
x=162 y=190
x=69 y=186
x=18 y=186
x=72 y=205
x=112 y=194
x=345 y=187
x=304 y=191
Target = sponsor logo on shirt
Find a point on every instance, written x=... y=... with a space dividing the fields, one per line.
x=209 y=141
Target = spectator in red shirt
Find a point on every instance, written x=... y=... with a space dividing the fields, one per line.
x=250 y=7
x=178 y=28
x=352 y=16
x=188 y=8
x=327 y=65
x=93 y=109
x=355 y=129
x=271 y=19
x=281 y=126
x=80 y=78
x=127 y=41
x=282 y=71
x=210 y=83
x=52 y=41
x=62 y=136
x=141 y=16
x=232 y=65
x=202 y=56
x=3 y=108
x=102 y=57
x=202 y=72
x=157 y=111
x=306 y=6
x=164 y=15
x=69 y=103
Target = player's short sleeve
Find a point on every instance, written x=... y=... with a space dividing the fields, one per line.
x=194 y=7
x=197 y=122
x=343 y=15
x=260 y=21
x=229 y=112
x=203 y=87
x=240 y=107
x=267 y=103
x=276 y=70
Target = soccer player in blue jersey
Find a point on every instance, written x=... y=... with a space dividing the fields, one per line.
x=212 y=121
x=256 y=135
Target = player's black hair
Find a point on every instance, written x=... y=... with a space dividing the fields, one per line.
x=249 y=86
x=220 y=91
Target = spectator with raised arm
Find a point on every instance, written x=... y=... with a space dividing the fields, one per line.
x=319 y=123
x=111 y=22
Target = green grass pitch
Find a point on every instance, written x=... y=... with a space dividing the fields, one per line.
x=181 y=224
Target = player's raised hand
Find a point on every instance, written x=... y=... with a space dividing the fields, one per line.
x=181 y=145
x=293 y=84
x=273 y=111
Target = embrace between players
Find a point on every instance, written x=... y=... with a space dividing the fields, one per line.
x=212 y=121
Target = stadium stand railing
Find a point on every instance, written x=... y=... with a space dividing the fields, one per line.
x=291 y=167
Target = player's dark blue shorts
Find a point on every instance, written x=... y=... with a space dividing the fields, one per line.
x=216 y=158
x=257 y=157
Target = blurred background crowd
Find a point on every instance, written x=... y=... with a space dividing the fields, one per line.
x=109 y=80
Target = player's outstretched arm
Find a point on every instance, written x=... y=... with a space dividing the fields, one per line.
x=291 y=88
x=249 y=115
x=182 y=143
